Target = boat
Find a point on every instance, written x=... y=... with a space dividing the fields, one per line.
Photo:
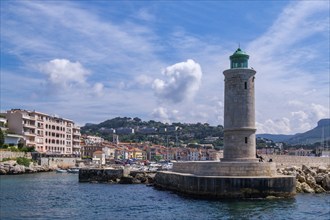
x=73 y=170
x=61 y=171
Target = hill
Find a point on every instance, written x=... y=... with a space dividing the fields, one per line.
x=275 y=137
x=318 y=134
x=192 y=133
x=156 y=132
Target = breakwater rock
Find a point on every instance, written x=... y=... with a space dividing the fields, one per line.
x=115 y=175
x=11 y=167
x=309 y=179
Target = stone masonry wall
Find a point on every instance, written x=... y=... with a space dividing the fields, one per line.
x=213 y=168
x=283 y=161
x=9 y=154
x=61 y=162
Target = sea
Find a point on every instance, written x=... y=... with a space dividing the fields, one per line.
x=60 y=196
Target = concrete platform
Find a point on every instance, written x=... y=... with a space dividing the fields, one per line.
x=219 y=187
x=217 y=168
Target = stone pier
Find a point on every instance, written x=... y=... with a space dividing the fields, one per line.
x=220 y=187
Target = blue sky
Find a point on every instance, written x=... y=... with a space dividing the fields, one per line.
x=163 y=60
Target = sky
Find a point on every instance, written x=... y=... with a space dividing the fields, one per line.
x=90 y=61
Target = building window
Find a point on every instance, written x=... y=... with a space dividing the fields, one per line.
x=246 y=140
x=245 y=85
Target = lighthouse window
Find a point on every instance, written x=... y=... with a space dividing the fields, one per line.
x=245 y=85
x=246 y=139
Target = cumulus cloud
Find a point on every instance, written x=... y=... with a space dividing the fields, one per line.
x=64 y=72
x=160 y=112
x=165 y=115
x=65 y=76
x=182 y=81
x=301 y=120
x=274 y=126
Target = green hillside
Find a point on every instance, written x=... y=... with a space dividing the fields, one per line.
x=157 y=132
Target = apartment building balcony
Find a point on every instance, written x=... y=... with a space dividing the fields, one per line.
x=40 y=127
x=39 y=141
x=3 y=122
x=29 y=117
x=29 y=125
x=28 y=133
x=30 y=142
x=76 y=147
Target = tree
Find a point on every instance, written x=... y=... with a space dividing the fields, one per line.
x=2 y=138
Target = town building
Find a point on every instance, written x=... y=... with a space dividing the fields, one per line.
x=125 y=130
x=46 y=133
x=88 y=150
x=88 y=139
x=98 y=157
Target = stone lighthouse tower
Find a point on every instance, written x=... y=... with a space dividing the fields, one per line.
x=239 y=174
x=239 y=112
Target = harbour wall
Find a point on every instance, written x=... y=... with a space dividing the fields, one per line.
x=226 y=186
x=12 y=155
x=283 y=161
x=60 y=162
x=216 y=168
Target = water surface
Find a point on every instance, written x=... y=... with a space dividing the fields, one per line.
x=61 y=196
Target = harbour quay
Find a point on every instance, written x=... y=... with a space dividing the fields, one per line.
x=238 y=182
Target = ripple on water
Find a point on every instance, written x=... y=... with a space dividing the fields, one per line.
x=60 y=196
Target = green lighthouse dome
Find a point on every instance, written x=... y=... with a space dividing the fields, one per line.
x=239 y=59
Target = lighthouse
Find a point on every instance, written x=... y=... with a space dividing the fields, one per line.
x=239 y=174
x=239 y=110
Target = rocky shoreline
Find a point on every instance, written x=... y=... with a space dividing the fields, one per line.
x=309 y=179
x=11 y=167
x=137 y=178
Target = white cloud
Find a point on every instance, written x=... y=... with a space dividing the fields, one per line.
x=143 y=80
x=67 y=79
x=291 y=72
x=160 y=113
x=296 y=23
x=64 y=72
x=98 y=89
x=165 y=115
x=274 y=126
x=126 y=52
x=301 y=120
x=182 y=81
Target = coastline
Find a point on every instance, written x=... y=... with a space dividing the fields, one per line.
x=312 y=174
x=11 y=167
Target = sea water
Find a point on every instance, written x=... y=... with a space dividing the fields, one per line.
x=61 y=196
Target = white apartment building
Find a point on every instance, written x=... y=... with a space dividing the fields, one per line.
x=48 y=134
x=93 y=140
